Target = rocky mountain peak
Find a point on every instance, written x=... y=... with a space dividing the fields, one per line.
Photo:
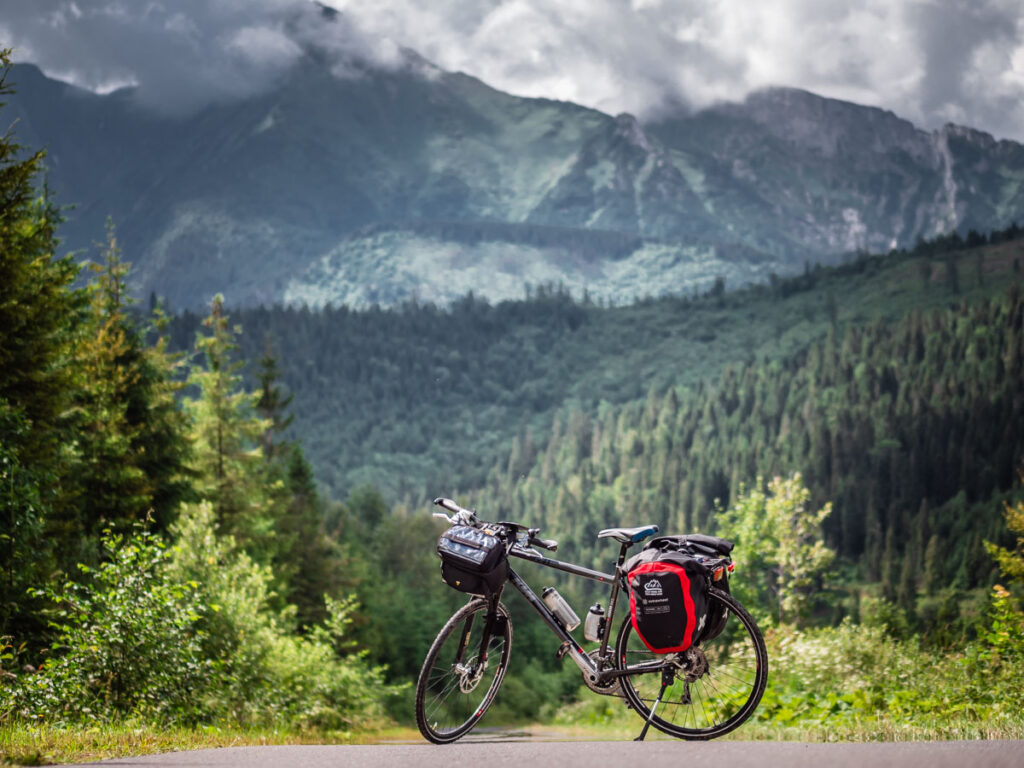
x=627 y=127
x=830 y=127
x=969 y=135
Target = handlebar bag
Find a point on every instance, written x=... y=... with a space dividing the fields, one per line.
x=472 y=560
x=668 y=599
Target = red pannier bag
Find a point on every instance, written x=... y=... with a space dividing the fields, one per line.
x=668 y=600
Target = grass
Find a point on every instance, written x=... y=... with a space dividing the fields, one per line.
x=50 y=744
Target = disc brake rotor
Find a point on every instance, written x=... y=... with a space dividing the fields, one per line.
x=469 y=676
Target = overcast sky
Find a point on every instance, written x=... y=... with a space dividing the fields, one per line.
x=931 y=61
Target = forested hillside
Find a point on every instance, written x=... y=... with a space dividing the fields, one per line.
x=420 y=399
x=912 y=429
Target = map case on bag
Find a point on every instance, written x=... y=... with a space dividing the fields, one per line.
x=472 y=560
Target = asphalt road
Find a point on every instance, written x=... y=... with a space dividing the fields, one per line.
x=621 y=754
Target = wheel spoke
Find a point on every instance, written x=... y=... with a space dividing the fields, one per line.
x=732 y=675
x=445 y=709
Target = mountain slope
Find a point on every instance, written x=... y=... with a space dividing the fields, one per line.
x=419 y=398
x=846 y=177
x=382 y=183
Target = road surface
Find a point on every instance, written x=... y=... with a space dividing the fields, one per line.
x=614 y=754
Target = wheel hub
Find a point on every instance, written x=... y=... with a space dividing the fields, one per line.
x=469 y=675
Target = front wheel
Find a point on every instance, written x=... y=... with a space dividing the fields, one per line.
x=455 y=688
x=717 y=684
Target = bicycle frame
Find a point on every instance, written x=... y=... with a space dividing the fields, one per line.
x=602 y=671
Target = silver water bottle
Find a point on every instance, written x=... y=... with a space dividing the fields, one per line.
x=593 y=627
x=562 y=610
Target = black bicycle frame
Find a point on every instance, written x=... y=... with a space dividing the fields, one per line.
x=601 y=672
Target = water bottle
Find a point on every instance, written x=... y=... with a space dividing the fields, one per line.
x=593 y=627
x=562 y=610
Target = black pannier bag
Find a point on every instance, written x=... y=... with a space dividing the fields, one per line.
x=701 y=546
x=668 y=600
x=472 y=561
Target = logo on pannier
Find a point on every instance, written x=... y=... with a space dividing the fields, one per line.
x=652 y=588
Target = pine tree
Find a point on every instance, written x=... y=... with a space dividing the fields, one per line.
x=131 y=445
x=227 y=435
x=107 y=487
x=311 y=561
x=272 y=404
x=38 y=310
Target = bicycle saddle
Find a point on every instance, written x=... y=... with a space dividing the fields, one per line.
x=629 y=534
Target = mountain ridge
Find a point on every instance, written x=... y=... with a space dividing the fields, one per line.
x=268 y=198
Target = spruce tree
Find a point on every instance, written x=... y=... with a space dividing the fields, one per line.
x=227 y=434
x=131 y=442
x=38 y=310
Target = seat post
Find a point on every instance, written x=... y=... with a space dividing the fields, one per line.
x=622 y=553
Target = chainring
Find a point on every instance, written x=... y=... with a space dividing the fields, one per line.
x=614 y=688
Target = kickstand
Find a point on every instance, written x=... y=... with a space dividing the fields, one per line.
x=667 y=678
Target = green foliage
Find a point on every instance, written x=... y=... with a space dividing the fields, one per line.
x=1011 y=561
x=38 y=311
x=856 y=674
x=227 y=434
x=264 y=672
x=189 y=634
x=127 y=644
x=779 y=547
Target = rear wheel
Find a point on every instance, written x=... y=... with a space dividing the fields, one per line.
x=454 y=689
x=716 y=685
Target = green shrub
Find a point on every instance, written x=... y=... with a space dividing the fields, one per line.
x=127 y=645
x=264 y=672
x=857 y=673
x=187 y=635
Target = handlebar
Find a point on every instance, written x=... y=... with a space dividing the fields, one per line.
x=463 y=516
x=460 y=515
x=549 y=544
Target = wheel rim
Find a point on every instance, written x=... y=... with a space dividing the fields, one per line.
x=454 y=689
x=717 y=684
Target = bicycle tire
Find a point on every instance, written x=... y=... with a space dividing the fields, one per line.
x=441 y=718
x=721 y=697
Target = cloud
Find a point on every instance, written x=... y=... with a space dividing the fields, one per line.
x=931 y=61
x=181 y=54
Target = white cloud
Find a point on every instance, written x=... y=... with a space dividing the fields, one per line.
x=927 y=60
x=182 y=54
x=264 y=46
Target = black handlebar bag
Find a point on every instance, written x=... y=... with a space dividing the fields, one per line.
x=472 y=560
x=668 y=600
